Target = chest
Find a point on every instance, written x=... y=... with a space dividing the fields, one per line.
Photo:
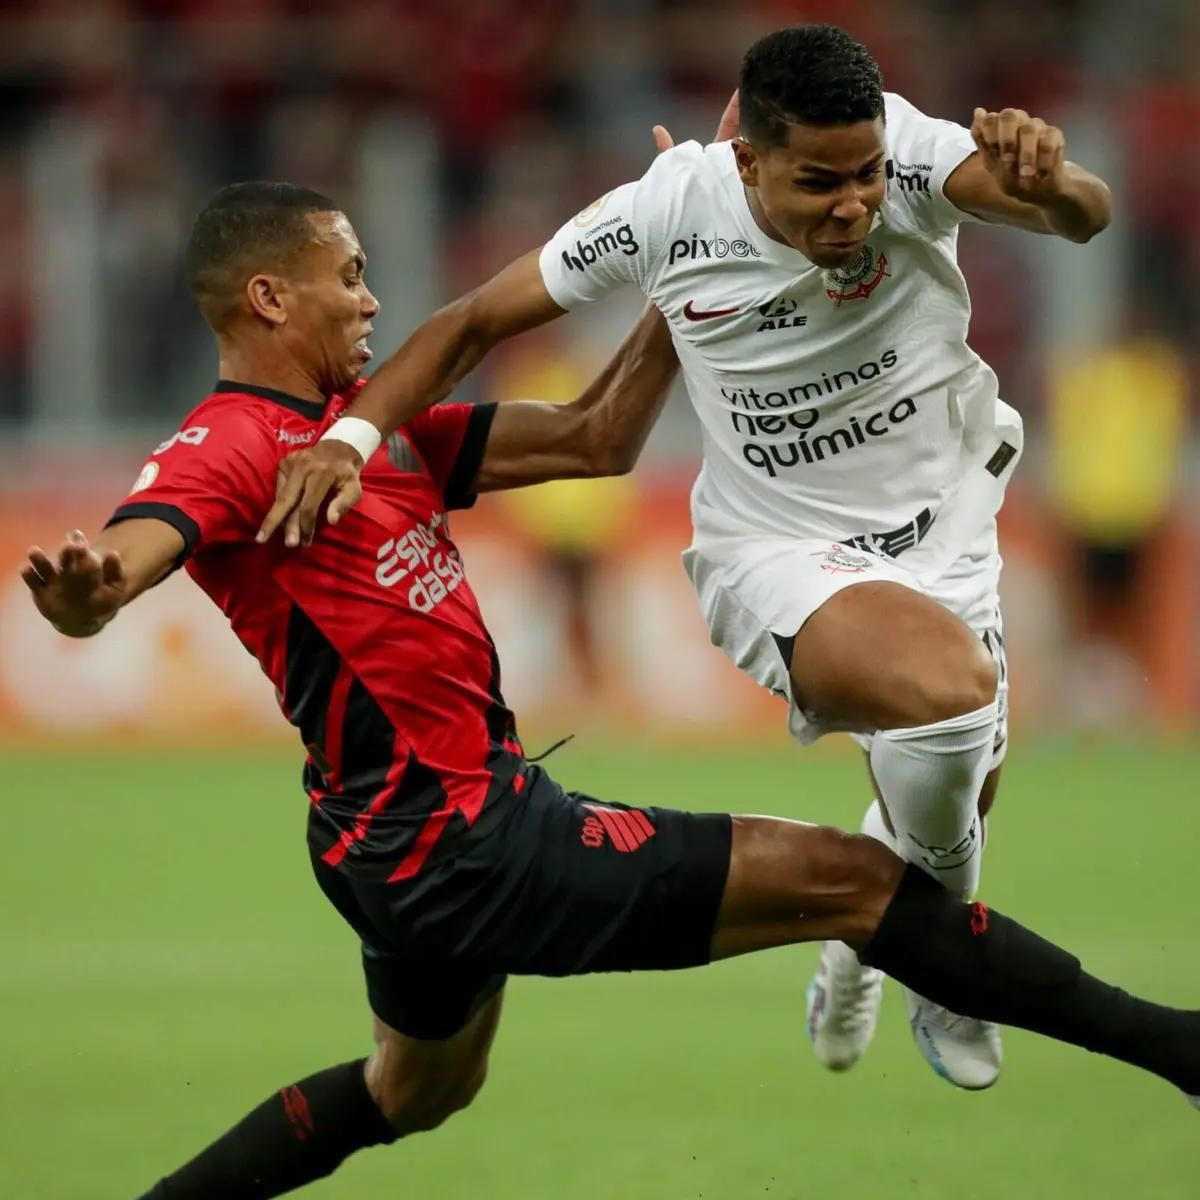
x=743 y=315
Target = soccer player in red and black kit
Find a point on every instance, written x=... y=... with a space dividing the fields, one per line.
x=455 y=860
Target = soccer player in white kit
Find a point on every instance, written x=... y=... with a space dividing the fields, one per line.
x=855 y=448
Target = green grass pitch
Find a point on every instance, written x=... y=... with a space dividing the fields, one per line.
x=166 y=962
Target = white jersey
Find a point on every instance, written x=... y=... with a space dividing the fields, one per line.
x=842 y=404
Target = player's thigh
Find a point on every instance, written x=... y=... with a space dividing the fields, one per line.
x=793 y=882
x=419 y=1082
x=880 y=655
x=565 y=884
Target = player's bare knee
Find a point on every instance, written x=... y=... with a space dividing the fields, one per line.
x=964 y=684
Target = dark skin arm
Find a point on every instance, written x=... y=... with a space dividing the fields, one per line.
x=1019 y=177
x=82 y=586
x=424 y=370
x=600 y=433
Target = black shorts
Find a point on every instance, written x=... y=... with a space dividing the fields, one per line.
x=545 y=883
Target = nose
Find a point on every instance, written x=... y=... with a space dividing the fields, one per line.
x=850 y=206
x=370 y=306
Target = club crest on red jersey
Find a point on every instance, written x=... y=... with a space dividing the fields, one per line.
x=859 y=279
x=146 y=478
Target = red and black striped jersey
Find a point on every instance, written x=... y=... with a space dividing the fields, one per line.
x=372 y=636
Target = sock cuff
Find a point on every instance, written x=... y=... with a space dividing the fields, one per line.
x=967 y=731
x=375 y=1125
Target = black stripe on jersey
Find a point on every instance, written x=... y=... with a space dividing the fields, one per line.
x=368 y=743
x=306 y=408
x=461 y=480
x=175 y=517
x=501 y=723
x=311 y=667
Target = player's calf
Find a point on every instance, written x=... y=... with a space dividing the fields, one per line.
x=792 y=882
x=417 y=1105
x=419 y=1083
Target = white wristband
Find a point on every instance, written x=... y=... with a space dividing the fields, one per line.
x=356 y=432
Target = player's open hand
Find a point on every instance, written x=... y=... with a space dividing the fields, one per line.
x=303 y=481
x=728 y=126
x=79 y=590
x=1023 y=153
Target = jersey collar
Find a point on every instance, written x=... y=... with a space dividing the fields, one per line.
x=306 y=408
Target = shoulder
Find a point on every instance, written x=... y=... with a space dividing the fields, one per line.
x=897 y=108
x=225 y=423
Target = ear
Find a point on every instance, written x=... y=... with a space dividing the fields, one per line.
x=747 y=161
x=264 y=294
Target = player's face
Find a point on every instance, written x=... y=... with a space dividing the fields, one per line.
x=331 y=308
x=819 y=192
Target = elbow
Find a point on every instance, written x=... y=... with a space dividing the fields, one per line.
x=603 y=462
x=1098 y=225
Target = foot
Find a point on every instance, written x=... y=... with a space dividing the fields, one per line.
x=843 y=1007
x=963 y=1050
x=1194 y=1101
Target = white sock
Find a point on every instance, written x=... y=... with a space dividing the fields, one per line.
x=930 y=778
x=873 y=825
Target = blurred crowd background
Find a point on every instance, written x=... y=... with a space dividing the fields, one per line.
x=458 y=136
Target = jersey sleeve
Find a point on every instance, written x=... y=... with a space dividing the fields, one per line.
x=922 y=154
x=619 y=239
x=451 y=439
x=213 y=480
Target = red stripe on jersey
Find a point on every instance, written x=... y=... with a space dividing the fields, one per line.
x=414 y=860
x=470 y=805
x=336 y=854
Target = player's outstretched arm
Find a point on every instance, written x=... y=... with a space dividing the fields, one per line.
x=1020 y=177
x=81 y=587
x=600 y=433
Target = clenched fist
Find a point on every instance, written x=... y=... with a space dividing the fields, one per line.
x=1023 y=153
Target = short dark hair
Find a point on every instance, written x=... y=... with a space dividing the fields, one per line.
x=243 y=229
x=807 y=75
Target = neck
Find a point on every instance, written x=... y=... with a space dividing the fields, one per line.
x=238 y=366
x=760 y=217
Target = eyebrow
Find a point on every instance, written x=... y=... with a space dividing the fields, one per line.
x=827 y=173
x=358 y=260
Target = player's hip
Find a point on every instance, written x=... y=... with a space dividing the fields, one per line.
x=554 y=883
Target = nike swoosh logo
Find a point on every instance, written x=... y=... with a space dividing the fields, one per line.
x=694 y=314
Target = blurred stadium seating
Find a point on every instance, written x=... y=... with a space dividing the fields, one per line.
x=455 y=146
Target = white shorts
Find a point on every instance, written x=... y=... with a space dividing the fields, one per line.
x=756 y=591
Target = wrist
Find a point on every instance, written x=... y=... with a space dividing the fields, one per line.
x=360 y=435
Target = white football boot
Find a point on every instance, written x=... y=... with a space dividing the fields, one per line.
x=963 y=1050
x=1194 y=1101
x=843 y=1006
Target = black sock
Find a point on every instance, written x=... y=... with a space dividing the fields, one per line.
x=979 y=963
x=301 y=1133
